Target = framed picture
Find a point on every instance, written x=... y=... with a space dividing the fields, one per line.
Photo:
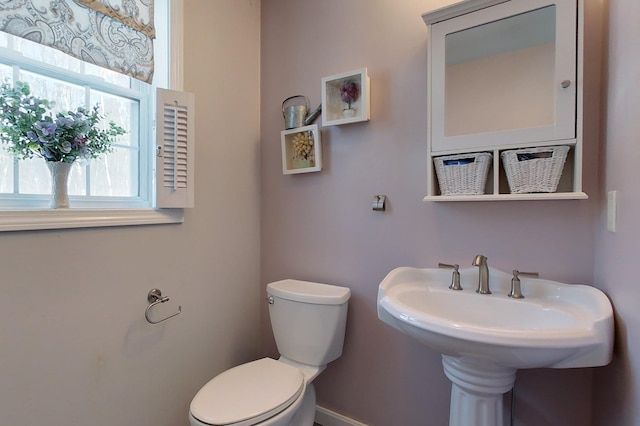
x=301 y=150
x=345 y=98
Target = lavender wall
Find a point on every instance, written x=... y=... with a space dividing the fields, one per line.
x=75 y=348
x=617 y=395
x=320 y=226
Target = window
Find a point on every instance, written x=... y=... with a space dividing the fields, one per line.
x=120 y=182
x=116 y=179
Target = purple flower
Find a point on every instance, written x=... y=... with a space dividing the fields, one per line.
x=349 y=92
x=46 y=128
x=65 y=147
x=83 y=151
x=64 y=122
x=47 y=154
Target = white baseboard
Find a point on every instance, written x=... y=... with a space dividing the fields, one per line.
x=331 y=418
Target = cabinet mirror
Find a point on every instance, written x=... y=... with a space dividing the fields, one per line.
x=499 y=75
x=504 y=76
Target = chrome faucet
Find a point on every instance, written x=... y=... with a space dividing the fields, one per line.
x=483 y=275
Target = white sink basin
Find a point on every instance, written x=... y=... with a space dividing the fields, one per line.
x=556 y=325
x=485 y=338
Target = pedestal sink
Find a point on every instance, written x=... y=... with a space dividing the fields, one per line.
x=485 y=338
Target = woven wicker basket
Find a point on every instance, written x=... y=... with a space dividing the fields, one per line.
x=463 y=174
x=534 y=169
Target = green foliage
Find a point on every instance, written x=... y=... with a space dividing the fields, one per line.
x=28 y=127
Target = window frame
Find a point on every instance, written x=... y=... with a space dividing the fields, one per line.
x=105 y=214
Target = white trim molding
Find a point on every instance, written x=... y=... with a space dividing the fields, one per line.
x=78 y=218
x=176 y=45
x=327 y=417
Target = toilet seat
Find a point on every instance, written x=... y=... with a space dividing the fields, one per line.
x=248 y=394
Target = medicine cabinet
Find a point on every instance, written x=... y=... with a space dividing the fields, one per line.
x=505 y=75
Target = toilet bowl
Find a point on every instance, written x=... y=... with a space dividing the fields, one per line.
x=308 y=321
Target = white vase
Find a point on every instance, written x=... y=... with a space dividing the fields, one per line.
x=59 y=184
x=349 y=113
x=302 y=164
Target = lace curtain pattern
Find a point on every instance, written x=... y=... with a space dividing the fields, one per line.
x=114 y=34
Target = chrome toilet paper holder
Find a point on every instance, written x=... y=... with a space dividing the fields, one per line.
x=154 y=298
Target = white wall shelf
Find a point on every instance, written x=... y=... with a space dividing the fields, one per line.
x=497 y=185
x=301 y=150
x=336 y=107
x=509 y=197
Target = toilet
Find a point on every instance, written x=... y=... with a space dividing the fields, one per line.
x=308 y=321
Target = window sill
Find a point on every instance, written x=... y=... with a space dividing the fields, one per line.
x=25 y=220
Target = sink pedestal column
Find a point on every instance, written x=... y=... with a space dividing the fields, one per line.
x=476 y=391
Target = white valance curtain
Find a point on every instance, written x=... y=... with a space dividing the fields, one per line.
x=114 y=34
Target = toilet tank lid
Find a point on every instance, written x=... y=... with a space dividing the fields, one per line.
x=309 y=292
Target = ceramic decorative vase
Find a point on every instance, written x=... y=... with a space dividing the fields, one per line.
x=302 y=164
x=59 y=179
x=349 y=113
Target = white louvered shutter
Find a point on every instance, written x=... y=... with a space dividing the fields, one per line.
x=175 y=149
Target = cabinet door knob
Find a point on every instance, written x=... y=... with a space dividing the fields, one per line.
x=565 y=83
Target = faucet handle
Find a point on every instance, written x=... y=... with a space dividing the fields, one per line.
x=455 y=277
x=516 y=292
x=446 y=265
x=516 y=273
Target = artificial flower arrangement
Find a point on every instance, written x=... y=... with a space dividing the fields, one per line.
x=303 y=147
x=28 y=127
x=349 y=92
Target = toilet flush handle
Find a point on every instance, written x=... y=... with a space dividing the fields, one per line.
x=271 y=300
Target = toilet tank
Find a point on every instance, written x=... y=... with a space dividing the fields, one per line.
x=308 y=320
